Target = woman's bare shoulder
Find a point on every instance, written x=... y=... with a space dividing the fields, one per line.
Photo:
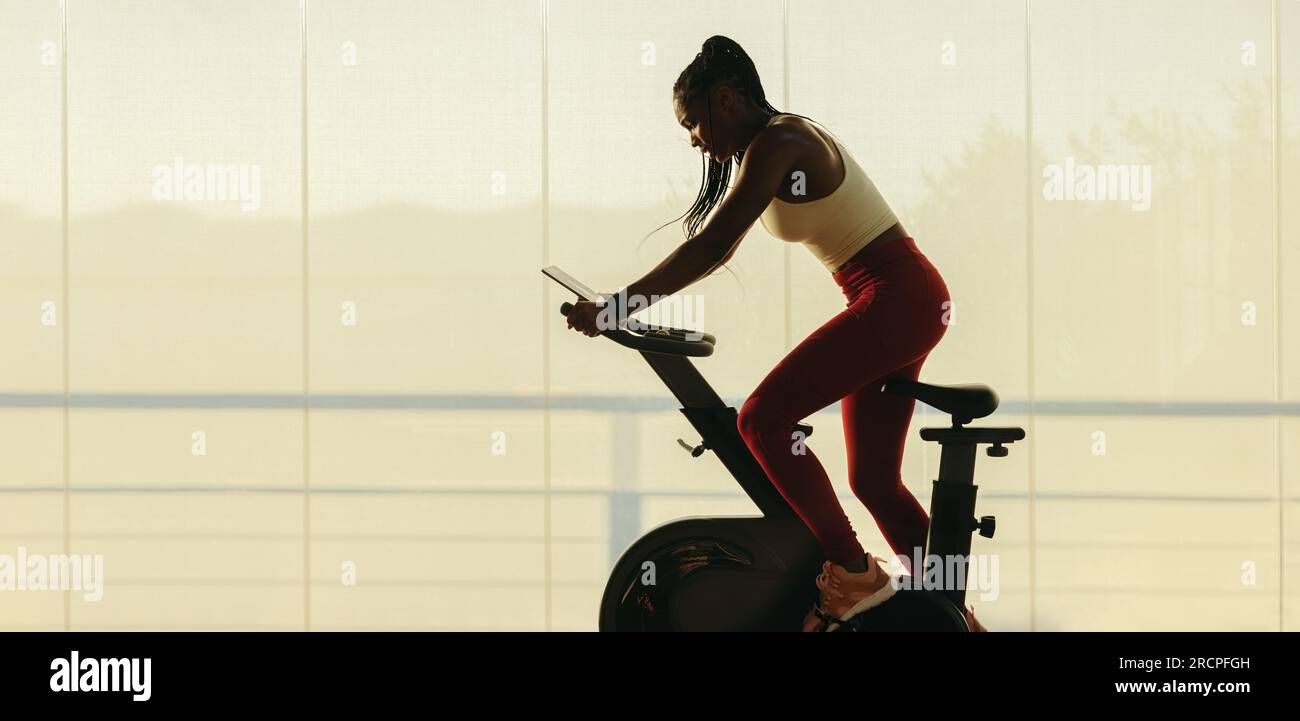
x=790 y=129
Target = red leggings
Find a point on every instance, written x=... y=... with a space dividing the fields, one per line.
x=897 y=312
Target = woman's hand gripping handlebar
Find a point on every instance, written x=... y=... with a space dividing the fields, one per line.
x=657 y=339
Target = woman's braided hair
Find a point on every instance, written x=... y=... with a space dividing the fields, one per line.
x=720 y=60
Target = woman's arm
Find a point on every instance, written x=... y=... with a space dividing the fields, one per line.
x=691 y=261
x=759 y=178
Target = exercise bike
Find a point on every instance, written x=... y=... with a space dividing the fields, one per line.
x=756 y=573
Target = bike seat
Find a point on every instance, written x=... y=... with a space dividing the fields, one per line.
x=964 y=402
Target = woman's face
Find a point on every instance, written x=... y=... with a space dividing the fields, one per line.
x=716 y=140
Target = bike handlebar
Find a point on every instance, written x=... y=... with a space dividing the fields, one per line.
x=659 y=339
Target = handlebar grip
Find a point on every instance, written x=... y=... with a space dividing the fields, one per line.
x=657 y=339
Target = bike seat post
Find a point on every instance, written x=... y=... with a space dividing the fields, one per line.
x=952 y=511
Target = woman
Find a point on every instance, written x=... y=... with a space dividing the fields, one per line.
x=804 y=187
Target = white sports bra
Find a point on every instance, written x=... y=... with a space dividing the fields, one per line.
x=837 y=226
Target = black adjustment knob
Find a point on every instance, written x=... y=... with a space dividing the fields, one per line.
x=997 y=450
x=695 y=451
x=987 y=526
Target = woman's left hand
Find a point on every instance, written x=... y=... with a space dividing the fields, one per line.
x=582 y=318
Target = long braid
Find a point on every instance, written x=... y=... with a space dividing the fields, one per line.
x=721 y=59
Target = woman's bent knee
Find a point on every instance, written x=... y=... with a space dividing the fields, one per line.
x=878 y=491
x=758 y=419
